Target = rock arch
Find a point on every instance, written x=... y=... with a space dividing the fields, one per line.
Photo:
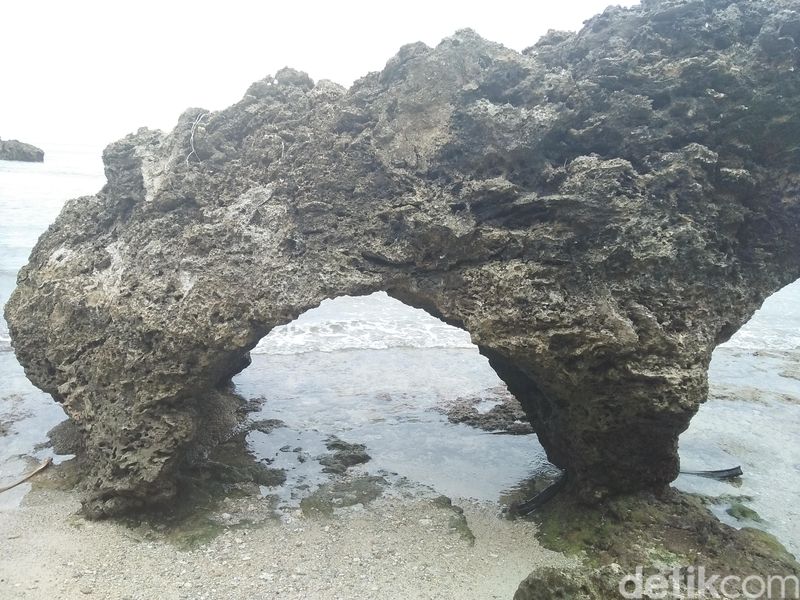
x=599 y=212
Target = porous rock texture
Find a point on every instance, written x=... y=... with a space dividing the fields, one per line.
x=16 y=150
x=599 y=212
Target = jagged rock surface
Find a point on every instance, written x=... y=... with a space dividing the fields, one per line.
x=599 y=212
x=16 y=150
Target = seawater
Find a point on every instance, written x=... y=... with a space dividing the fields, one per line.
x=371 y=370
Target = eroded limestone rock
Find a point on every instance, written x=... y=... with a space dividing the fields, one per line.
x=599 y=212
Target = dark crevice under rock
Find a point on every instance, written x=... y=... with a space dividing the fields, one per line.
x=598 y=212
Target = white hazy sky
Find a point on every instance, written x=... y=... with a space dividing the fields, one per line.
x=92 y=71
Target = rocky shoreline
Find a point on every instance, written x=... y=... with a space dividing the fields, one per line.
x=362 y=537
x=20 y=151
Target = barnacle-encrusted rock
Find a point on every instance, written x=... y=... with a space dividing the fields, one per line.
x=599 y=212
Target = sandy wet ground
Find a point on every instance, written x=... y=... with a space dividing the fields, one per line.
x=391 y=548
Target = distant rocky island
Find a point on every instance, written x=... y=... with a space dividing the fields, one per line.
x=16 y=150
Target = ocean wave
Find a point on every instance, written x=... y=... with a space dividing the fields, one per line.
x=337 y=335
x=375 y=322
x=765 y=339
x=775 y=326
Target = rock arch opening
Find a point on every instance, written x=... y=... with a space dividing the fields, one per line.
x=367 y=386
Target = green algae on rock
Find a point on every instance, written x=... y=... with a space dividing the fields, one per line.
x=342 y=493
x=659 y=533
x=740 y=512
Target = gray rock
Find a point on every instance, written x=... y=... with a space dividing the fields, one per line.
x=343 y=455
x=507 y=416
x=578 y=583
x=66 y=438
x=557 y=584
x=266 y=425
x=599 y=212
x=16 y=150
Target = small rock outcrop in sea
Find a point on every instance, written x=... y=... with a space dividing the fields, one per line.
x=16 y=150
x=599 y=212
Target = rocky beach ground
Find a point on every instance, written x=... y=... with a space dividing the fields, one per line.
x=359 y=537
x=393 y=547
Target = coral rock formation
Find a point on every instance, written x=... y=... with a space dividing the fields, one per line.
x=599 y=212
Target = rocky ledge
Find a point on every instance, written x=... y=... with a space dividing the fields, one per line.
x=599 y=212
x=16 y=150
x=664 y=546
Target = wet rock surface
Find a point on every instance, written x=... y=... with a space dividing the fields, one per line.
x=16 y=150
x=341 y=493
x=266 y=425
x=343 y=455
x=503 y=415
x=599 y=212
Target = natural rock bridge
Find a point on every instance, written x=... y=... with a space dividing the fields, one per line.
x=599 y=212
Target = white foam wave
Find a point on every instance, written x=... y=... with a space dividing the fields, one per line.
x=374 y=322
x=763 y=338
x=775 y=326
x=337 y=335
x=5 y=337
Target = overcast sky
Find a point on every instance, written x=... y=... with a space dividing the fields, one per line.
x=92 y=71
